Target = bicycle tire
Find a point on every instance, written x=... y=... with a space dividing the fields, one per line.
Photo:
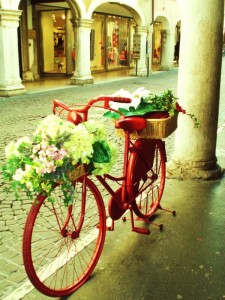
x=57 y=259
x=146 y=176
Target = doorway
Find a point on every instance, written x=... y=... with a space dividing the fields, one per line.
x=53 y=42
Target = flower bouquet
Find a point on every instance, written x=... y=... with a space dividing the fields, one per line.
x=160 y=112
x=57 y=148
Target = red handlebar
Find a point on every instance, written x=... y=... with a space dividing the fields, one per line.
x=106 y=99
x=79 y=109
x=57 y=103
x=121 y=99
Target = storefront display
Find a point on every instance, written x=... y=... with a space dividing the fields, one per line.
x=112 y=45
x=156 y=52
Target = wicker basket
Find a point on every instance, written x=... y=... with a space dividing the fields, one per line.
x=77 y=173
x=155 y=129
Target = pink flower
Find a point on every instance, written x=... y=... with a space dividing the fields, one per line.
x=51 y=151
x=180 y=109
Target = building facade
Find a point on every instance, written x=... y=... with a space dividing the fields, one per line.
x=76 y=38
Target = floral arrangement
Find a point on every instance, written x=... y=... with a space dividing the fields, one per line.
x=148 y=105
x=36 y=164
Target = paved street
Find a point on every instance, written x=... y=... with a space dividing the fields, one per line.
x=114 y=276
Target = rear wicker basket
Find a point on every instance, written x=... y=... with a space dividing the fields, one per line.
x=155 y=129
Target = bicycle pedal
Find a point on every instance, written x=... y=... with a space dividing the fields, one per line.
x=141 y=230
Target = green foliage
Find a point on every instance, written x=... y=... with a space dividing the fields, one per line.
x=55 y=150
x=165 y=102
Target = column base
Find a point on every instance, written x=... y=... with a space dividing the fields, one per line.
x=140 y=72
x=190 y=170
x=165 y=68
x=28 y=76
x=14 y=90
x=82 y=80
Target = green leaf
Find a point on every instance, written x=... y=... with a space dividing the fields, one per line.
x=101 y=152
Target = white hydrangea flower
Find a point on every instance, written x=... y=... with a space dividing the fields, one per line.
x=29 y=186
x=135 y=97
x=79 y=145
x=11 y=149
x=23 y=140
x=18 y=176
x=50 y=167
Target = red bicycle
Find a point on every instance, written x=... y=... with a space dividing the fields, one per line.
x=62 y=245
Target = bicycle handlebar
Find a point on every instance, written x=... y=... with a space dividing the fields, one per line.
x=107 y=99
x=85 y=108
x=79 y=113
x=119 y=99
x=57 y=103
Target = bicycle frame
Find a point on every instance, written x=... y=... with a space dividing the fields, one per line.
x=122 y=199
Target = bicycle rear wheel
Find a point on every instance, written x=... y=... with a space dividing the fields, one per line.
x=146 y=176
x=62 y=245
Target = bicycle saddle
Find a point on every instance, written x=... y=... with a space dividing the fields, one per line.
x=131 y=123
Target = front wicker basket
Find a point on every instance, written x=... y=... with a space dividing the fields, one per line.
x=77 y=172
x=155 y=129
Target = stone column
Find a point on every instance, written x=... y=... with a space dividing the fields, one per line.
x=141 y=69
x=27 y=75
x=82 y=74
x=198 y=90
x=167 y=50
x=149 y=50
x=69 y=43
x=164 y=50
x=10 y=81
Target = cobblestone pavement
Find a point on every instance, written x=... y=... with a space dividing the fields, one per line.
x=19 y=117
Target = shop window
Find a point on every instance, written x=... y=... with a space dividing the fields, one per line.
x=112 y=45
x=117 y=42
x=156 y=52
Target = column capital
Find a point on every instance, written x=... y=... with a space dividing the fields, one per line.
x=10 y=18
x=85 y=23
x=141 y=29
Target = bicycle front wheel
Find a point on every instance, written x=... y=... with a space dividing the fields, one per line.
x=146 y=170
x=62 y=245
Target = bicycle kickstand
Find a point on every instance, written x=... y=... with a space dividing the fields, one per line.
x=173 y=212
x=137 y=229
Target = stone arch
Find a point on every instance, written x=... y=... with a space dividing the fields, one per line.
x=133 y=9
x=163 y=43
x=164 y=20
x=77 y=8
x=29 y=70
